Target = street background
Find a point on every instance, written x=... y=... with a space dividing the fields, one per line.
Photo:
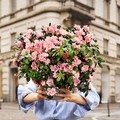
x=11 y=111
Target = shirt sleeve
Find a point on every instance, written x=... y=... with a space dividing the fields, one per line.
x=22 y=92
x=92 y=98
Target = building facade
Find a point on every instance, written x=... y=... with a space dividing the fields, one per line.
x=103 y=17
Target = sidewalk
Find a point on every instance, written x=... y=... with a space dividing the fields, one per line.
x=11 y=111
x=102 y=112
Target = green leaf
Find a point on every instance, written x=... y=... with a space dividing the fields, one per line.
x=90 y=62
x=70 y=80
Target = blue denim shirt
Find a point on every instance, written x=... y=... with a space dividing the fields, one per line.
x=51 y=109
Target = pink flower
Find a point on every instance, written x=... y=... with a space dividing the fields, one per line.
x=55 y=75
x=34 y=66
x=38 y=46
x=50 y=82
x=79 y=33
x=76 y=81
x=85 y=68
x=34 y=55
x=20 y=44
x=88 y=38
x=76 y=61
x=61 y=39
x=43 y=83
x=42 y=57
x=29 y=31
x=48 y=45
x=77 y=27
x=15 y=62
x=92 y=67
x=25 y=51
x=29 y=46
x=54 y=40
x=47 y=61
x=16 y=54
x=26 y=40
x=86 y=28
x=39 y=35
x=76 y=74
x=64 y=67
x=63 y=32
x=54 y=68
x=51 y=91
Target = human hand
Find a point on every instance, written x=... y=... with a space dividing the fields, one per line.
x=40 y=94
x=67 y=95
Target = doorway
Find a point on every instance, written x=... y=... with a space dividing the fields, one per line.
x=105 y=84
x=13 y=84
x=117 y=85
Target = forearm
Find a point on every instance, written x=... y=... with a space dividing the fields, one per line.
x=31 y=97
x=76 y=98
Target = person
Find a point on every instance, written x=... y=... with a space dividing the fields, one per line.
x=72 y=106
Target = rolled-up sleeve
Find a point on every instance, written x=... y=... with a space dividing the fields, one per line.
x=92 y=98
x=22 y=92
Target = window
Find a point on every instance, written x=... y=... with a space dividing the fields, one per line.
x=33 y=28
x=105 y=46
x=118 y=17
x=13 y=39
x=30 y=3
x=106 y=11
x=0 y=44
x=13 y=8
x=118 y=50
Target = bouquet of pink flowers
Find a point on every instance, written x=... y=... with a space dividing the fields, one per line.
x=58 y=57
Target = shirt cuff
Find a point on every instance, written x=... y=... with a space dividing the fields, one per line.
x=92 y=99
x=24 y=106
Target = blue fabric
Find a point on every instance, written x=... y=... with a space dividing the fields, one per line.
x=50 y=109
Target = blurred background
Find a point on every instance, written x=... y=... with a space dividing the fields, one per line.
x=103 y=17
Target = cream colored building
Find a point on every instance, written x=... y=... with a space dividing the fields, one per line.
x=103 y=16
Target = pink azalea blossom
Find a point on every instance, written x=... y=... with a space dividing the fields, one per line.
x=51 y=91
x=16 y=54
x=43 y=83
x=15 y=62
x=92 y=67
x=85 y=68
x=26 y=40
x=29 y=46
x=79 y=33
x=20 y=44
x=47 y=61
x=38 y=46
x=42 y=57
x=61 y=39
x=54 y=40
x=88 y=38
x=76 y=81
x=39 y=35
x=77 y=27
x=76 y=61
x=34 y=55
x=63 y=32
x=48 y=45
x=86 y=28
x=64 y=67
x=50 y=82
x=25 y=51
x=55 y=75
x=34 y=66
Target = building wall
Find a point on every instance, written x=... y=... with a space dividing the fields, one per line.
x=58 y=13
